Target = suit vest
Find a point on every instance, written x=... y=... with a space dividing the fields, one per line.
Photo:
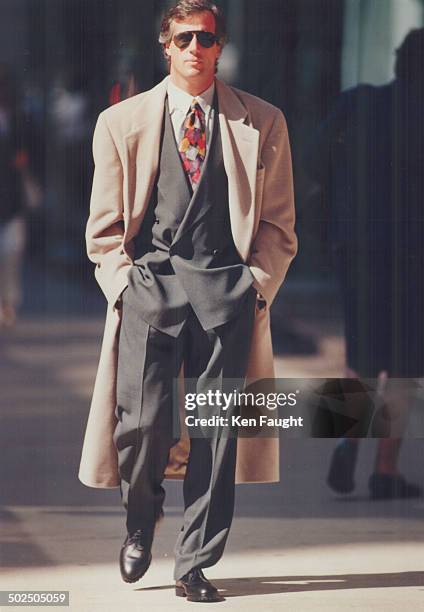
x=185 y=256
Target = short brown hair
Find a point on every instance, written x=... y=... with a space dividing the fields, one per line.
x=185 y=8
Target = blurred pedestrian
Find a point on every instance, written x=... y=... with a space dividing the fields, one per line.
x=17 y=190
x=368 y=157
x=70 y=171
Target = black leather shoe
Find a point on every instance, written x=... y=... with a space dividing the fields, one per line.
x=196 y=587
x=134 y=558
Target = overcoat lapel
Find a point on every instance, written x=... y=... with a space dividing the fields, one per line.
x=240 y=146
x=142 y=156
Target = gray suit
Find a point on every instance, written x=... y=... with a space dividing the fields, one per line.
x=189 y=299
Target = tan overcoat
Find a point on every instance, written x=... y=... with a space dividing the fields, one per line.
x=257 y=161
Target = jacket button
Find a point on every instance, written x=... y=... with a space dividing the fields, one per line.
x=215 y=252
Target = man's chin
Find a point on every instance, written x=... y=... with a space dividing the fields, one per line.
x=194 y=71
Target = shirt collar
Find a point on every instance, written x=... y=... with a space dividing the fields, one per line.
x=181 y=100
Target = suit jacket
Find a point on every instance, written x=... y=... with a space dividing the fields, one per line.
x=257 y=161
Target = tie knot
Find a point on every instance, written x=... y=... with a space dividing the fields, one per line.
x=195 y=106
x=196 y=111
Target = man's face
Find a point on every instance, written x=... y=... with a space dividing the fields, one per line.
x=194 y=62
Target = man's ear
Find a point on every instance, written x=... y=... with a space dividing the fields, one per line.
x=167 y=51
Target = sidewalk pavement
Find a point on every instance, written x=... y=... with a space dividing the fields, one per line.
x=270 y=564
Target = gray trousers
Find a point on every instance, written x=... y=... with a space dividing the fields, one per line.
x=149 y=362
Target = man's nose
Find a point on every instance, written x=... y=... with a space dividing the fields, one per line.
x=194 y=43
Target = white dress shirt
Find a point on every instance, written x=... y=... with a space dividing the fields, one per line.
x=179 y=103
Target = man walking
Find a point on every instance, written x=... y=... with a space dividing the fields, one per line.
x=192 y=231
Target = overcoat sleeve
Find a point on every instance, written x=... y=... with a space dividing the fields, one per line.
x=105 y=226
x=275 y=243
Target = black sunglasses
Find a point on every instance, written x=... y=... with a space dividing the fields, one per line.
x=206 y=39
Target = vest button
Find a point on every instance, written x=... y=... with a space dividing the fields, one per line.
x=215 y=252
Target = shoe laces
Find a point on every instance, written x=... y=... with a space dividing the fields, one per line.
x=135 y=538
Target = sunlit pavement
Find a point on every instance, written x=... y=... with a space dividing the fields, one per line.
x=273 y=564
x=293 y=546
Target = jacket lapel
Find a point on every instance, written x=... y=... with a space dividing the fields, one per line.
x=142 y=152
x=240 y=146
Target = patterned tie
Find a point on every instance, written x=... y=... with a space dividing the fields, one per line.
x=192 y=147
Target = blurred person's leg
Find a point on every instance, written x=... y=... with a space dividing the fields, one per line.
x=386 y=482
x=12 y=246
x=387 y=456
x=343 y=462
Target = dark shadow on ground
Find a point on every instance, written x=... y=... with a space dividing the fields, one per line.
x=271 y=585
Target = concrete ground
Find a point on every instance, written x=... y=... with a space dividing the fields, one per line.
x=270 y=563
x=293 y=546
